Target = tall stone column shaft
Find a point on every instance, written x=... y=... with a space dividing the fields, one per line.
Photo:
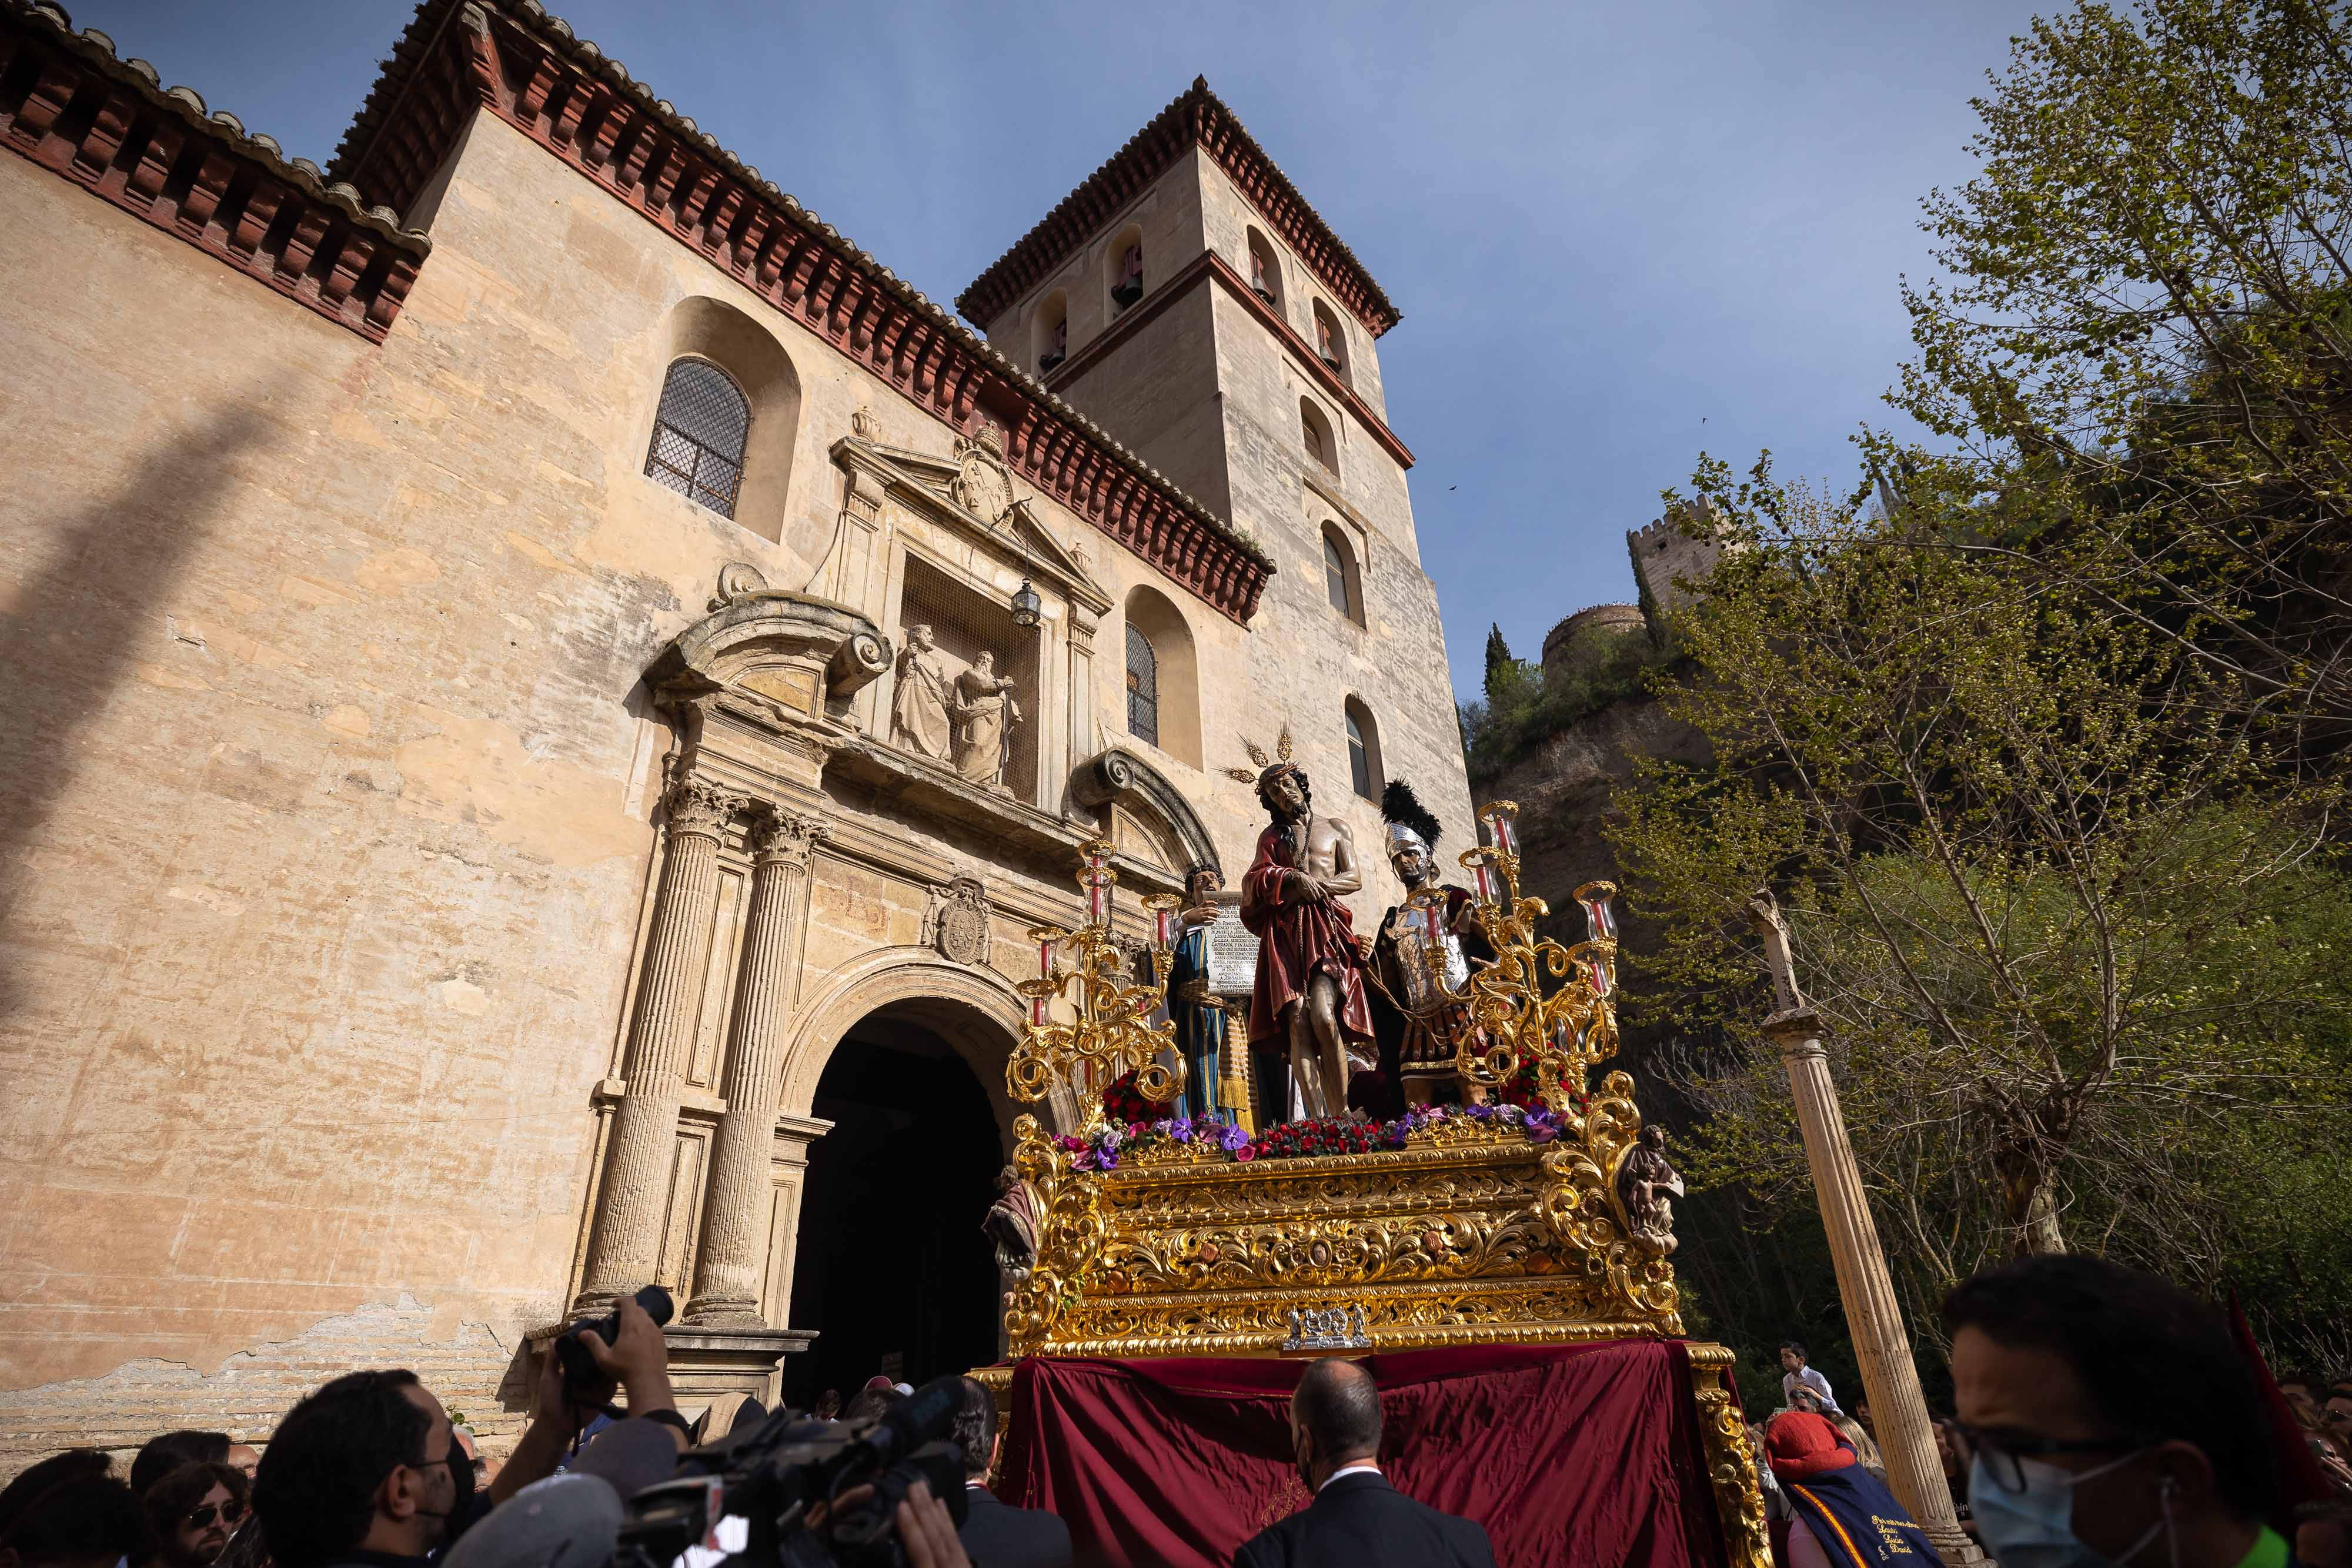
x=1899 y=1411
x=624 y=1245
x=729 y=1262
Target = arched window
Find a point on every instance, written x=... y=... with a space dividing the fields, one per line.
x=698 y=435
x=1053 y=330
x=1363 y=750
x=727 y=418
x=1125 y=261
x=1142 y=686
x=1330 y=341
x=1340 y=583
x=1265 y=272
x=1315 y=432
x=1163 y=676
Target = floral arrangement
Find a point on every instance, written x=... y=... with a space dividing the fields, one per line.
x=1124 y=1105
x=1519 y=1089
x=1292 y=1140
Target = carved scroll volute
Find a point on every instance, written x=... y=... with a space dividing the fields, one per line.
x=1070 y=1235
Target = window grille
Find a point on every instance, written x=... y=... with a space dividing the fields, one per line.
x=1334 y=578
x=1142 y=686
x=698 y=435
x=964 y=621
x=1360 y=759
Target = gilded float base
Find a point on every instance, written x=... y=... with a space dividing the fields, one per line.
x=1470 y=1235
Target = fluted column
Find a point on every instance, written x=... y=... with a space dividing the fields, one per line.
x=1914 y=1472
x=624 y=1248
x=727 y=1265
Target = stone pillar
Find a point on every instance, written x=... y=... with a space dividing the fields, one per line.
x=625 y=1247
x=1913 y=1473
x=733 y=1256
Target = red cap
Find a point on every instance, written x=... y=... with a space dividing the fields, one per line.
x=879 y=1381
x=1802 y=1444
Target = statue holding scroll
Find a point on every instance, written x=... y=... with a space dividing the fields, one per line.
x=1310 y=972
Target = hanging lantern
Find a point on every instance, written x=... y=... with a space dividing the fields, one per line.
x=1027 y=608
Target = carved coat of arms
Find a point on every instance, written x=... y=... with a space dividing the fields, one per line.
x=956 y=920
x=983 y=485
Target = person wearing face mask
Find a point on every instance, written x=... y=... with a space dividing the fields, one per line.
x=367 y=1472
x=1357 y=1519
x=2112 y=1420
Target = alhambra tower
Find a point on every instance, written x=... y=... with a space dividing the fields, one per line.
x=1188 y=299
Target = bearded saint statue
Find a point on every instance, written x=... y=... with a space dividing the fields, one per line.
x=1310 y=972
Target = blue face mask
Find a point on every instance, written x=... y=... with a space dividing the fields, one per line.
x=2035 y=1527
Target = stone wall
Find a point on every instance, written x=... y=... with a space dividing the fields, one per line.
x=333 y=777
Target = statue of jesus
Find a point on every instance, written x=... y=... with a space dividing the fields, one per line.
x=1310 y=981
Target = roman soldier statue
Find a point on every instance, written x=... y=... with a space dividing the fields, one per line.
x=1310 y=972
x=1419 y=1029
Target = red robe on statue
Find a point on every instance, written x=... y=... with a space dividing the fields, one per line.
x=1294 y=941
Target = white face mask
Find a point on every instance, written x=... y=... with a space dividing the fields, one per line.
x=2035 y=1527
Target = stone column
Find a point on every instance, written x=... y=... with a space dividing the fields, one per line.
x=624 y=1248
x=733 y=1256
x=1899 y=1411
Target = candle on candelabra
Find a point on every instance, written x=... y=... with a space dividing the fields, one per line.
x=1600 y=916
x=1038 y=1006
x=1484 y=874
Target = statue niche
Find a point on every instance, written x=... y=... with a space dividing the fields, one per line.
x=966 y=683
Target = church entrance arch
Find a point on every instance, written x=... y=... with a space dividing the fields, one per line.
x=890 y=1263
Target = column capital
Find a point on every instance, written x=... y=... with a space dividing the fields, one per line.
x=787 y=837
x=1796 y=1030
x=696 y=805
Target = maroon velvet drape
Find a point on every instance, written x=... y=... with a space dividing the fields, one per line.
x=1586 y=1456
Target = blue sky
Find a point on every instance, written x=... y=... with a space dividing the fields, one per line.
x=1620 y=233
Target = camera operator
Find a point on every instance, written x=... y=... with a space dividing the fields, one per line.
x=367 y=1470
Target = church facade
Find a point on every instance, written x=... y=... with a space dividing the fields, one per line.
x=550 y=688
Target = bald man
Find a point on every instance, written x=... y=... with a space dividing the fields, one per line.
x=1357 y=1519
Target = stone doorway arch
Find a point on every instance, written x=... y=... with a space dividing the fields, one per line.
x=898 y=1075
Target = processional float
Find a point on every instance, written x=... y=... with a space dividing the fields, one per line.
x=1478 y=1226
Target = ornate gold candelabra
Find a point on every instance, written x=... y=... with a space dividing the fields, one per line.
x=1514 y=1021
x=1112 y=1033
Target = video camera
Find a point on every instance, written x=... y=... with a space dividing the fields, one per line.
x=776 y=1473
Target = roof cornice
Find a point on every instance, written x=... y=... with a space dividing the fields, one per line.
x=1198 y=119
x=527 y=68
x=110 y=126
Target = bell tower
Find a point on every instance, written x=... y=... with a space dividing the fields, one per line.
x=1187 y=299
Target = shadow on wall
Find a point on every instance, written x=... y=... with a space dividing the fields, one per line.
x=77 y=627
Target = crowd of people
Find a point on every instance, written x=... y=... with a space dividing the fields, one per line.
x=2103 y=1417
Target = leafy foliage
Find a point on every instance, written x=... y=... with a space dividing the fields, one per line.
x=2077 y=941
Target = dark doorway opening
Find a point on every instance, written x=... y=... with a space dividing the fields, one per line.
x=891 y=1268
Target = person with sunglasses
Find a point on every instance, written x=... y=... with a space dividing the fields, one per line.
x=192 y=1512
x=2111 y=1420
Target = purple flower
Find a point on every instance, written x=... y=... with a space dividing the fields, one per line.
x=1107 y=1158
x=1233 y=1140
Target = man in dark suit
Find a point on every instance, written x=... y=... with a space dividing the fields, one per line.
x=1357 y=1519
x=995 y=1534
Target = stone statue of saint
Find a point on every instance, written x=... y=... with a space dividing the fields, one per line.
x=919 y=717
x=1310 y=972
x=984 y=713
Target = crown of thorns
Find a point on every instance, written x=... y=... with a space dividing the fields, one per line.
x=1267 y=766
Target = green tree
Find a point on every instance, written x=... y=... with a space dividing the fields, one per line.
x=2078 y=949
x=2143 y=338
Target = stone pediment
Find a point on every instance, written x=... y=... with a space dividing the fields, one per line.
x=973 y=494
